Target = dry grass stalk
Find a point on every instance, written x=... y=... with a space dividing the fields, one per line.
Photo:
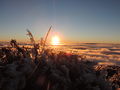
x=47 y=35
x=45 y=40
x=31 y=36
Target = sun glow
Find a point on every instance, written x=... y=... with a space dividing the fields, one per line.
x=55 y=40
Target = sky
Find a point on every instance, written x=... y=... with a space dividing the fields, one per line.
x=72 y=20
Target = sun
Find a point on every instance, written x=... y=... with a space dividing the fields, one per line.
x=55 y=40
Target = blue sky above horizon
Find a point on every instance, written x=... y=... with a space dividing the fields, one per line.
x=75 y=20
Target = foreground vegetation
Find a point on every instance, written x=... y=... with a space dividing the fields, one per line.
x=41 y=68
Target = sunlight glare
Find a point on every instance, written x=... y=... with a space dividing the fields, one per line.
x=55 y=40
